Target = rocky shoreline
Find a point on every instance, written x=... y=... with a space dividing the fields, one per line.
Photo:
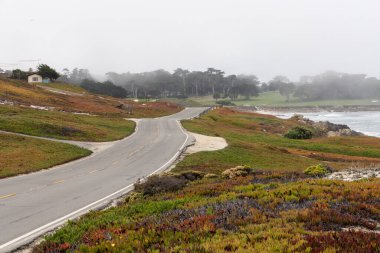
x=321 y=128
x=307 y=109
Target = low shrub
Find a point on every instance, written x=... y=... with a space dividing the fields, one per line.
x=190 y=175
x=299 y=133
x=158 y=184
x=238 y=171
x=319 y=170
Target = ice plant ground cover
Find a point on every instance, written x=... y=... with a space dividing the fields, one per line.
x=21 y=93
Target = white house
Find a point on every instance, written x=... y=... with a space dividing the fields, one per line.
x=34 y=78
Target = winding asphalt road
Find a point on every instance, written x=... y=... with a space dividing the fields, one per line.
x=32 y=204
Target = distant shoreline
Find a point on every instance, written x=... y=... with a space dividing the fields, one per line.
x=307 y=109
x=364 y=120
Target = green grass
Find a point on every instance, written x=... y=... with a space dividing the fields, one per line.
x=62 y=125
x=20 y=155
x=275 y=99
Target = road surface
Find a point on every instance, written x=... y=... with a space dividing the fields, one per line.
x=32 y=204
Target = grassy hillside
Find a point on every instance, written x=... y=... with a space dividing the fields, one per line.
x=21 y=93
x=256 y=140
x=273 y=98
x=34 y=110
x=274 y=208
x=23 y=155
x=63 y=125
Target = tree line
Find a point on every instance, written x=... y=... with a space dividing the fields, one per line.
x=329 y=85
x=335 y=85
x=183 y=83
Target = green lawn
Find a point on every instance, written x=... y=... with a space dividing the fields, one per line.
x=275 y=99
x=20 y=155
x=63 y=125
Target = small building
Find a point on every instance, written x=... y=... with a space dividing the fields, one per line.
x=46 y=80
x=35 y=78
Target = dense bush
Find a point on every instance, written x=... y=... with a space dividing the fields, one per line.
x=319 y=170
x=299 y=133
x=156 y=184
x=106 y=88
x=19 y=74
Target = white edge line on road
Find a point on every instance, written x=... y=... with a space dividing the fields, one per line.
x=37 y=232
x=176 y=154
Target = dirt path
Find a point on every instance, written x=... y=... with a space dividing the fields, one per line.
x=201 y=143
x=64 y=92
x=206 y=143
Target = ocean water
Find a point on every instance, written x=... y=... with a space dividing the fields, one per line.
x=365 y=122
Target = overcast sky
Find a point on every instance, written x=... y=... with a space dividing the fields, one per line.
x=262 y=37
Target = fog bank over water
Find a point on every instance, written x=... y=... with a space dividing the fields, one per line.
x=265 y=38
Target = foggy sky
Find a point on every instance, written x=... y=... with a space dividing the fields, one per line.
x=262 y=37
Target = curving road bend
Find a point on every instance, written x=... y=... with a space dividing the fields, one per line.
x=33 y=204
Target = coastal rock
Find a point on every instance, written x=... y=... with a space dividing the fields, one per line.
x=342 y=132
x=326 y=128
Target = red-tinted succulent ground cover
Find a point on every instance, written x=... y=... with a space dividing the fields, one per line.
x=275 y=208
x=21 y=93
